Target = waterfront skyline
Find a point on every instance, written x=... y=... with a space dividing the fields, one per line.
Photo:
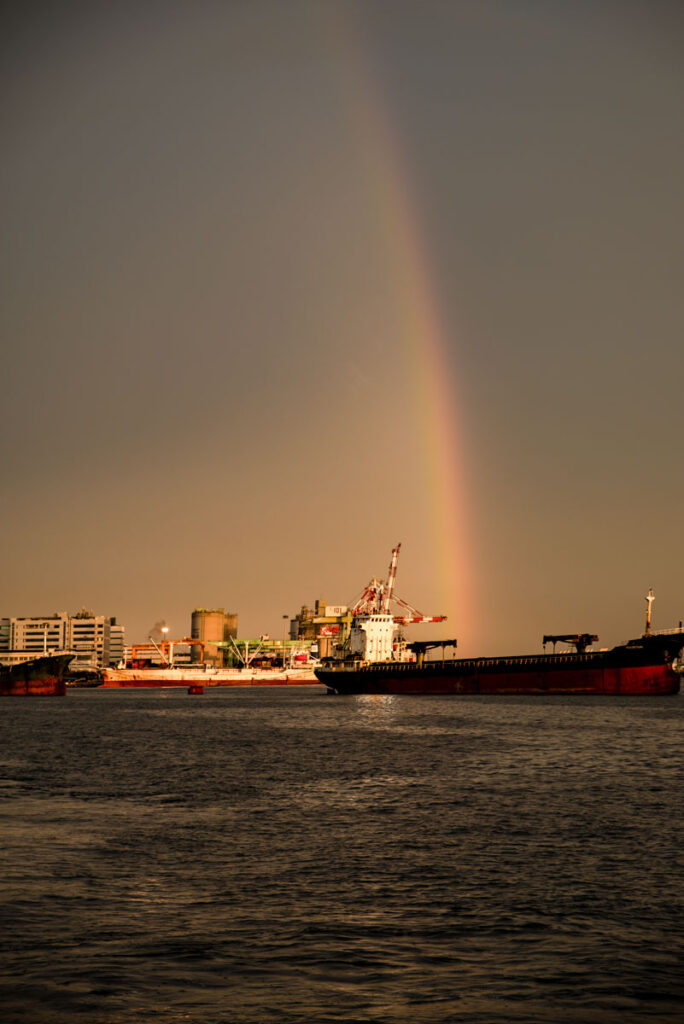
x=285 y=285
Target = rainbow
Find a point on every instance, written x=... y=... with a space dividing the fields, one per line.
x=423 y=340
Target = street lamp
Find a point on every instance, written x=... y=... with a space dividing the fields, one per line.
x=165 y=643
x=285 y=619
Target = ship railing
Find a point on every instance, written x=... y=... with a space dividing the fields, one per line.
x=667 y=632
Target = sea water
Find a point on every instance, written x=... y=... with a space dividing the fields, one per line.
x=288 y=856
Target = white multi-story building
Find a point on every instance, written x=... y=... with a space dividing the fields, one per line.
x=95 y=640
x=117 y=643
x=39 y=635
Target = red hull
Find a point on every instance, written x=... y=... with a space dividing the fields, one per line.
x=159 y=682
x=48 y=687
x=632 y=680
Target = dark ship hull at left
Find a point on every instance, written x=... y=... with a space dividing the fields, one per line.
x=38 y=677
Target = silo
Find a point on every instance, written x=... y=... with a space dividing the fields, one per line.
x=207 y=625
x=230 y=625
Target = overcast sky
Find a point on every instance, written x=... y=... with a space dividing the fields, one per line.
x=210 y=395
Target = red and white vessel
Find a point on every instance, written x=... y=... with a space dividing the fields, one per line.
x=250 y=672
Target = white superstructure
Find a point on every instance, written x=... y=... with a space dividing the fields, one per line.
x=375 y=635
x=375 y=638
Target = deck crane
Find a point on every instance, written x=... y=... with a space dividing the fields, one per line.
x=165 y=649
x=370 y=599
x=391 y=578
x=379 y=595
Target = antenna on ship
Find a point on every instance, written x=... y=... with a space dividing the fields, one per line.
x=650 y=598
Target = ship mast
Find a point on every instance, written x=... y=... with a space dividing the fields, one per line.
x=650 y=598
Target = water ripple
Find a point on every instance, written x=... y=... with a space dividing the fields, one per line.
x=297 y=858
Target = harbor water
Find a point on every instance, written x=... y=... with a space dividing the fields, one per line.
x=287 y=856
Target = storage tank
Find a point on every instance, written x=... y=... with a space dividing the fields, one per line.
x=207 y=625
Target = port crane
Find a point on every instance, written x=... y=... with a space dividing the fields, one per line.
x=379 y=595
x=165 y=649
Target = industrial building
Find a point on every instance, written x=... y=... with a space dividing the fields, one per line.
x=210 y=633
x=324 y=625
x=95 y=640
